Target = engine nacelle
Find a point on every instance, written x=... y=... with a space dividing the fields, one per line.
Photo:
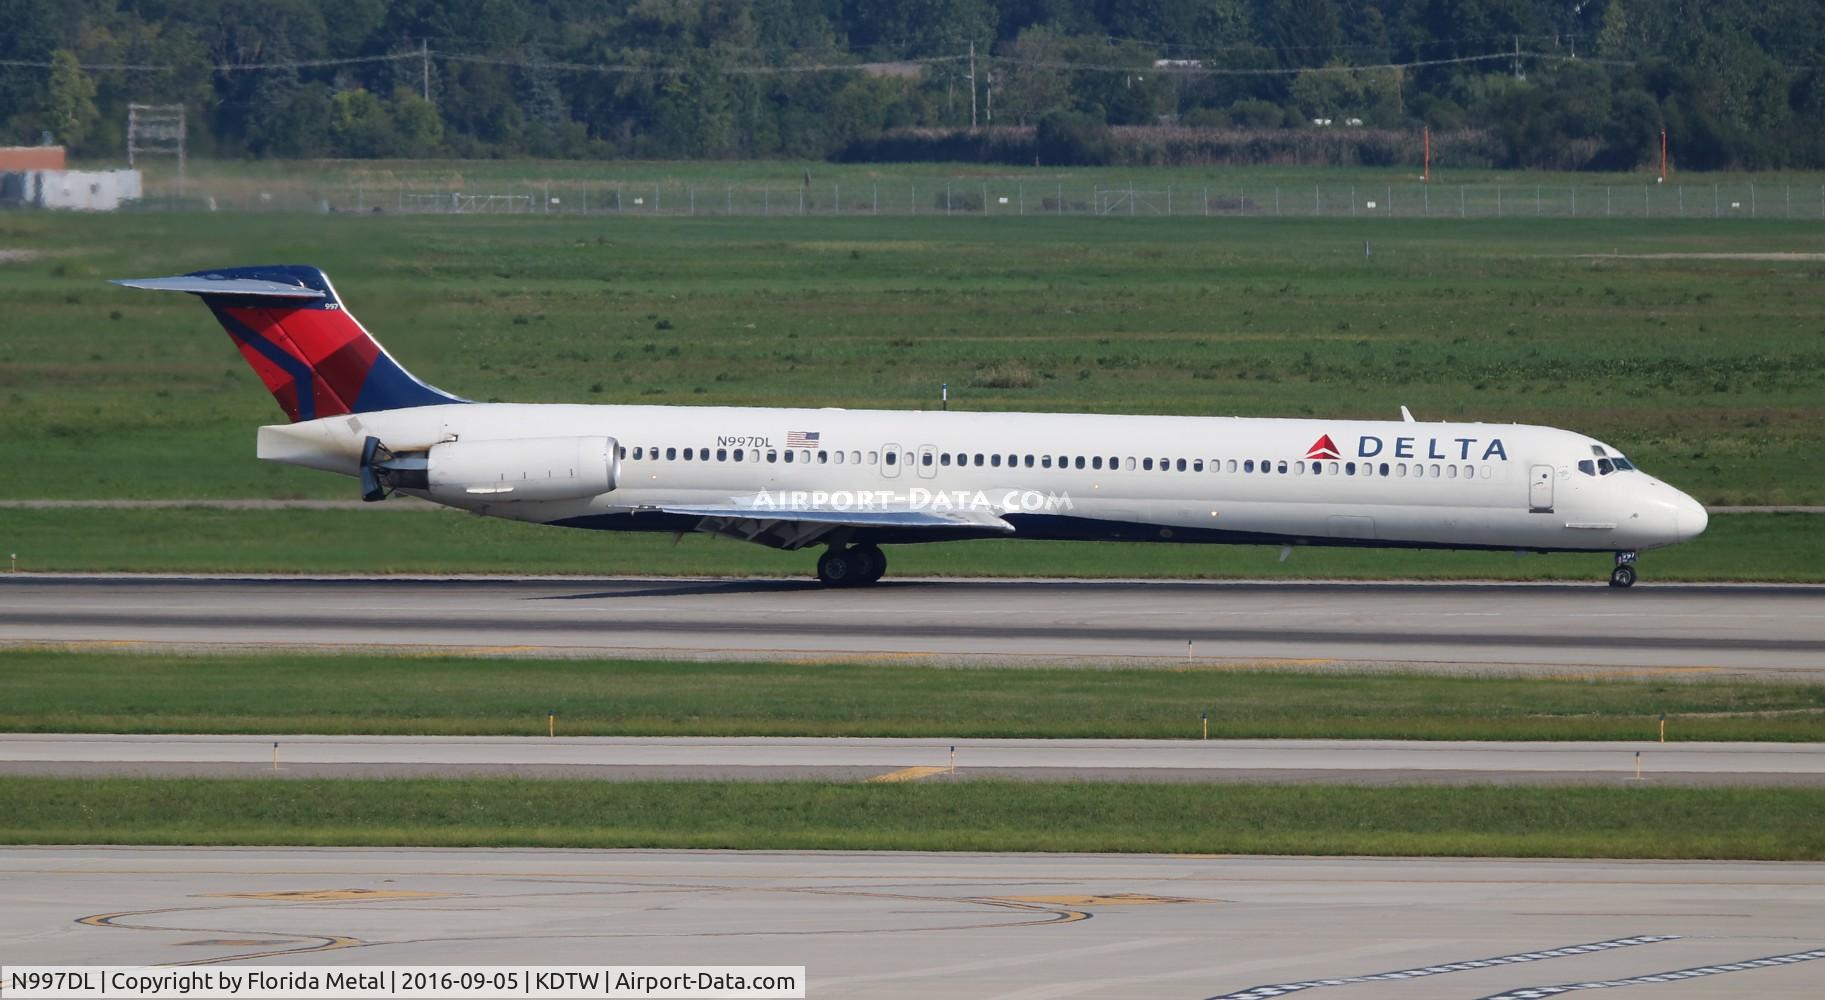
x=561 y=468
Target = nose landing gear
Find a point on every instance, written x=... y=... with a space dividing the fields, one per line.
x=1624 y=573
x=851 y=567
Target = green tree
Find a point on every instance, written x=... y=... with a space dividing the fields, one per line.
x=69 y=100
x=361 y=124
x=419 y=129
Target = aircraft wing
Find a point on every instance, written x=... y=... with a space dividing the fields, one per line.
x=792 y=528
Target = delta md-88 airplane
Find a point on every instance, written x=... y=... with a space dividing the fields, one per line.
x=855 y=480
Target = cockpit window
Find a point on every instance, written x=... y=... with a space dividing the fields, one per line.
x=1587 y=467
x=1623 y=464
x=1604 y=467
x=1598 y=451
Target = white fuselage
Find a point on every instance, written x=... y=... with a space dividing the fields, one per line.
x=1218 y=479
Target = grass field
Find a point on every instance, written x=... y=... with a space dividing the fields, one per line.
x=1760 y=547
x=1715 y=823
x=48 y=691
x=713 y=175
x=1709 y=372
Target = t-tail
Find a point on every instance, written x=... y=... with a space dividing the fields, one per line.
x=313 y=355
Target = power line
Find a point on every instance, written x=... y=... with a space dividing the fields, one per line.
x=1295 y=70
x=518 y=61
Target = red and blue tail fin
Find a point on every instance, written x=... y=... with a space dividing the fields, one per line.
x=310 y=351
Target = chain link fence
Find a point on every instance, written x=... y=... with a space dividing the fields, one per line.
x=969 y=198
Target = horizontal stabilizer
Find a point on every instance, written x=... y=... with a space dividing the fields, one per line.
x=203 y=284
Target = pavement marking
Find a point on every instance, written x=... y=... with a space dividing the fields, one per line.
x=1538 y=992
x=909 y=773
x=1281 y=989
x=230 y=943
x=330 y=895
x=324 y=942
x=1112 y=899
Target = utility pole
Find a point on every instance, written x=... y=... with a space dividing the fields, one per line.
x=972 y=85
x=424 y=55
x=1517 y=58
x=988 y=77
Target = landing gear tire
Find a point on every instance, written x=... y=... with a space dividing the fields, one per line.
x=851 y=567
x=839 y=568
x=874 y=563
x=1622 y=576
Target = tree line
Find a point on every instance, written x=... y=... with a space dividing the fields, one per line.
x=1736 y=83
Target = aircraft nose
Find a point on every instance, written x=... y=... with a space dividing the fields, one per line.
x=1691 y=519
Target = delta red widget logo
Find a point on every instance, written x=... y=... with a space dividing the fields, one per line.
x=1323 y=448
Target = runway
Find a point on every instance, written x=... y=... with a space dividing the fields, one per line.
x=845 y=759
x=1771 y=630
x=954 y=925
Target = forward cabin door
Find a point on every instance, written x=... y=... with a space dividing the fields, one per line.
x=1540 y=490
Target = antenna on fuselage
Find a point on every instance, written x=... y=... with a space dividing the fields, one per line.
x=1406 y=414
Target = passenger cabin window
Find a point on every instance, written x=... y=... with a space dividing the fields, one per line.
x=1080 y=461
x=772 y=455
x=1029 y=461
x=1045 y=461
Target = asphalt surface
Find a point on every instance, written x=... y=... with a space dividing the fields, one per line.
x=952 y=925
x=1770 y=630
x=781 y=758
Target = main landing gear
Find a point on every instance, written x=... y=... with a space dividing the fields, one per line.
x=1624 y=573
x=852 y=566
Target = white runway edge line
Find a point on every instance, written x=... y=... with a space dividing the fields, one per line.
x=1282 y=989
x=1537 y=992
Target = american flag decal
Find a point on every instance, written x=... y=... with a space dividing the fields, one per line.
x=801 y=439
